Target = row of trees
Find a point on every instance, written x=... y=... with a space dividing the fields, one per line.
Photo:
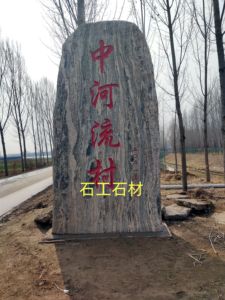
x=182 y=29
x=188 y=34
x=202 y=121
x=25 y=106
x=190 y=31
x=194 y=123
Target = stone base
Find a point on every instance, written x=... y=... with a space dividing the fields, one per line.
x=196 y=204
x=165 y=232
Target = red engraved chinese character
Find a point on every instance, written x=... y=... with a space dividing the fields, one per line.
x=103 y=92
x=101 y=53
x=106 y=135
x=107 y=174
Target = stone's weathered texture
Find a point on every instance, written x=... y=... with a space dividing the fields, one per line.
x=176 y=196
x=196 y=204
x=134 y=118
x=175 y=212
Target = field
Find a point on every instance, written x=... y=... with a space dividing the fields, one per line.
x=14 y=166
x=195 y=167
x=195 y=163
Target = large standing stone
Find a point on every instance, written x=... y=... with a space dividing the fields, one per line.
x=133 y=114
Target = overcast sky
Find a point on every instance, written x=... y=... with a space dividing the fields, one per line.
x=23 y=21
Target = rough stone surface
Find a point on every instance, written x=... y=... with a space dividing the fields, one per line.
x=134 y=120
x=196 y=204
x=176 y=196
x=175 y=212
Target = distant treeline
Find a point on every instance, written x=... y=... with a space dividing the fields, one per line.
x=29 y=156
x=27 y=106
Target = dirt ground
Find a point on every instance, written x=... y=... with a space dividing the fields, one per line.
x=182 y=267
x=197 y=160
x=195 y=167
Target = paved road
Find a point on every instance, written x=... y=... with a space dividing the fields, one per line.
x=17 y=189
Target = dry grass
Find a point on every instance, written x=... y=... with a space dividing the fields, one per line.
x=196 y=168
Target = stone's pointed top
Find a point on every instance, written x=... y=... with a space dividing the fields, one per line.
x=103 y=25
x=110 y=23
x=105 y=28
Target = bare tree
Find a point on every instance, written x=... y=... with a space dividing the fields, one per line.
x=19 y=106
x=203 y=17
x=64 y=16
x=46 y=99
x=38 y=116
x=218 y=18
x=30 y=87
x=5 y=100
x=214 y=118
x=174 y=142
x=80 y=12
x=173 y=16
x=48 y=95
x=141 y=13
x=194 y=125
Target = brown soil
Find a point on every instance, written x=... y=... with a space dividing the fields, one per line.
x=197 y=160
x=134 y=269
x=196 y=168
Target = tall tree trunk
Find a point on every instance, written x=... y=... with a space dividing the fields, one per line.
x=4 y=151
x=142 y=4
x=24 y=149
x=205 y=118
x=50 y=135
x=50 y=142
x=80 y=12
x=175 y=143
x=221 y=62
x=177 y=100
x=39 y=141
x=206 y=150
x=164 y=150
x=34 y=139
x=45 y=141
x=35 y=152
x=21 y=149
